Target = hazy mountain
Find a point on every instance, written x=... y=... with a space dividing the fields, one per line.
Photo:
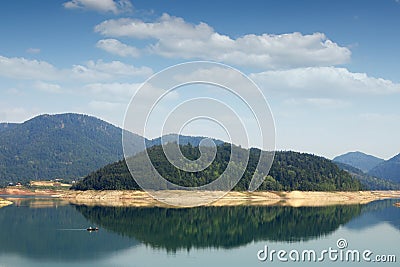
x=369 y=181
x=65 y=145
x=389 y=169
x=6 y=126
x=359 y=160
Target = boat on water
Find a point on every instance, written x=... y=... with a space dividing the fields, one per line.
x=92 y=229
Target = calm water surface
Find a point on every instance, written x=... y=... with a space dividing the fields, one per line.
x=47 y=232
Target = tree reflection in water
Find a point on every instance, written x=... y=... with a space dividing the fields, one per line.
x=224 y=227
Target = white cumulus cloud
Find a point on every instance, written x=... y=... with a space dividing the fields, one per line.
x=174 y=37
x=105 y=105
x=47 y=87
x=12 y=113
x=115 y=7
x=28 y=69
x=324 y=81
x=115 y=47
x=329 y=103
x=120 y=68
x=121 y=92
x=22 y=68
x=100 y=70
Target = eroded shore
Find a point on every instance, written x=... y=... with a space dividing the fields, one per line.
x=132 y=198
x=4 y=202
x=293 y=199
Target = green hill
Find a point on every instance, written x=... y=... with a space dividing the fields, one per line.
x=180 y=139
x=67 y=146
x=59 y=146
x=289 y=171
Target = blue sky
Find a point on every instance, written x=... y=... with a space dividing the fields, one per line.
x=329 y=69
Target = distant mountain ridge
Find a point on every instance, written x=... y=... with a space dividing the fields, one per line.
x=359 y=160
x=374 y=172
x=389 y=169
x=369 y=181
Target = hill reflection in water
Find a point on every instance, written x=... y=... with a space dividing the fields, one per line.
x=53 y=230
x=216 y=227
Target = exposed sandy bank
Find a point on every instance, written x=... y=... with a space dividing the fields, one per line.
x=297 y=198
x=4 y=203
x=21 y=191
x=294 y=198
x=132 y=198
x=49 y=184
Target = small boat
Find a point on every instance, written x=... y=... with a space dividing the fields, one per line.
x=92 y=229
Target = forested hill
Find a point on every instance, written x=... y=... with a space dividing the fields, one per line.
x=7 y=126
x=59 y=146
x=369 y=181
x=289 y=171
x=67 y=146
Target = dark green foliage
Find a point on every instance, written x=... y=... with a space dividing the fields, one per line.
x=7 y=126
x=180 y=139
x=301 y=171
x=224 y=227
x=65 y=146
x=289 y=171
x=370 y=182
x=359 y=160
x=389 y=169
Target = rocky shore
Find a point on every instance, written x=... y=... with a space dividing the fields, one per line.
x=4 y=203
x=293 y=199
x=135 y=198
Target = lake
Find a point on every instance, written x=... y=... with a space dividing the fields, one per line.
x=50 y=232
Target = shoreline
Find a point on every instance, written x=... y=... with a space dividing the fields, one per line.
x=233 y=198
x=4 y=202
x=136 y=198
